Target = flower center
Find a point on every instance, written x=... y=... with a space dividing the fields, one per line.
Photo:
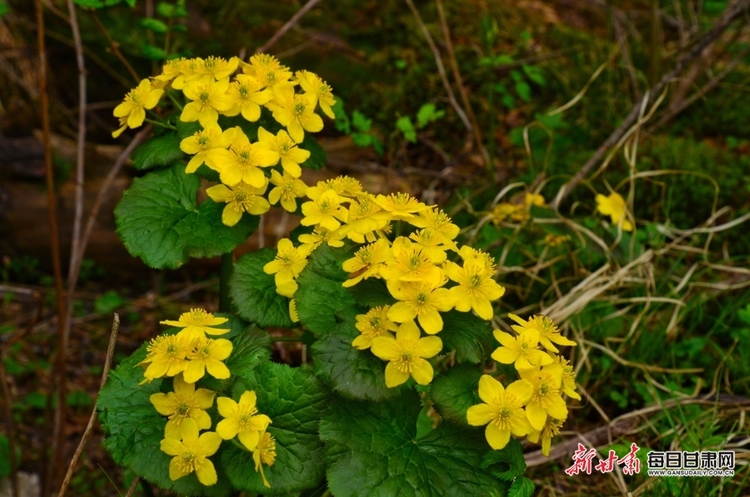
x=299 y=108
x=204 y=96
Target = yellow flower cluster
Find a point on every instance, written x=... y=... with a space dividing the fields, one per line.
x=416 y=270
x=516 y=212
x=187 y=356
x=533 y=405
x=212 y=89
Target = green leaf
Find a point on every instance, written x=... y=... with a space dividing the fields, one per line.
x=348 y=371
x=511 y=457
x=161 y=150
x=454 y=391
x=521 y=487
x=251 y=348
x=360 y=122
x=134 y=429
x=4 y=9
x=427 y=114
x=320 y=297
x=534 y=74
x=341 y=122
x=371 y=292
x=523 y=90
x=4 y=442
x=89 y=4
x=253 y=292
x=372 y=449
x=158 y=221
x=152 y=52
x=154 y=25
x=294 y=400
x=108 y=302
x=469 y=335
x=404 y=125
x=318 y=158
x=188 y=129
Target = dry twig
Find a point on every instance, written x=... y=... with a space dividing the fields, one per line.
x=289 y=24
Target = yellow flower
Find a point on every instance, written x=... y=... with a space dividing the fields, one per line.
x=546 y=328
x=206 y=355
x=365 y=216
x=264 y=453
x=247 y=96
x=196 y=323
x=530 y=199
x=373 y=324
x=241 y=419
x=551 y=428
x=240 y=198
x=260 y=62
x=218 y=68
x=319 y=236
x=407 y=354
x=367 y=262
x=501 y=410
x=189 y=71
x=475 y=289
x=546 y=399
x=297 y=113
x=410 y=264
x=317 y=90
x=170 y=70
x=123 y=126
x=469 y=254
x=136 y=101
x=314 y=192
x=325 y=211
x=401 y=206
x=191 y=454
x=184 y=403
x=614 y=207
x=208 y=146
x=291 y=156
x=245 y=161
x=522 y=351
x=268 y=70
x=166 y=356
x=505 y=210
x=346 y=186
x=568 y=376
x=551 y=240
x=208 y=97
x=422 y=300
x=288 y=190
x=287 y=266
x=432 y=244
x=439 y=221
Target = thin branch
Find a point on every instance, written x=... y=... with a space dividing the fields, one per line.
x=459 y=81
x=440 y=67
x=286 y=27
x=92 y=419
x=115 y=47
x=732 y=13
x=7 y=404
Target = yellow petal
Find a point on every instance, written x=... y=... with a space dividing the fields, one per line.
x=428 y=347
x=204 y=397
x=521 y=390
x=490 y=389
x=209 y=443
x=496 y=437
x=536 y=415
x=421 y=371
x=171 y=446
x=175 y=471
x=249 y=438
x=228 y=428
x=159 y=400
x=394 y=377
x=230 y=216
x=206 y=472
x=505 y=339
x=479 y=415
x=401 y=312
x=431 y=321
x=248 y=399
x=219 y=193
x=408 y=331
x=227 y=407
x=217 y=369
x=195 y=371
x=385 y=348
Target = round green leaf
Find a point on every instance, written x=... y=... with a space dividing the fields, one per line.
x=253 y=292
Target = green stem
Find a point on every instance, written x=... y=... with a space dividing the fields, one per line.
x=227 y=264
x=491 y=134
x=174 y=100
x=159 y=123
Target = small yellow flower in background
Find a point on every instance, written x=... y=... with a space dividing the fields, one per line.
x=166 y=356
x=288 y=190
x=410 y=264
x=407 y=355
x=189 y=71
x=184 y=403
x=208 y=97
x=282 y=144
x=191 y=453
x=321 y=235
x=240 y=198
x=136 y=102
x=546 y=328
x=476 y=289
x=368 y=262
x=515 y=212
x=317 y=90
x=530 y=199
x=551 y=240
x=208 y=146
x=522 y=351
x=241 y=419
x=206 y=355
x=439 y=221
x=373 y=324
x=218 y=68
x=297 y=113
x=501 y=410
x=614 y=207
x=401 y=206
x=421 y=300
x=568 y=377
x=244 y=162
x=247 y=96
x=551 y=428
x=546 y=399
x=287 y=266
x=325 y=211
x=264 y=453
x=196 y=323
